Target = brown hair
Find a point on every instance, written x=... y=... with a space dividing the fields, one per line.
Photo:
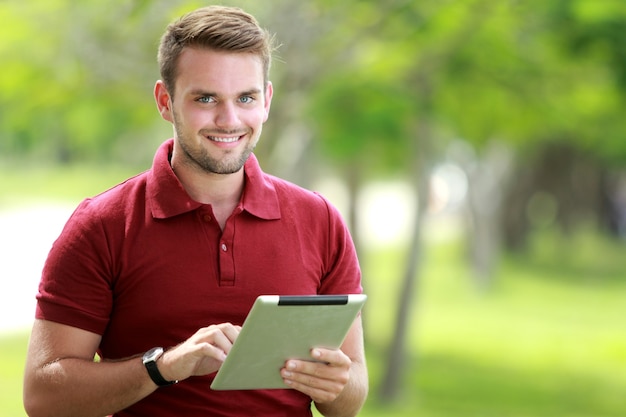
x=215 y=27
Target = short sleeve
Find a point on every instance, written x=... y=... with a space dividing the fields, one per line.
x=77 y=277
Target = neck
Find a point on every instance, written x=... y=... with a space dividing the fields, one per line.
x=221 y=191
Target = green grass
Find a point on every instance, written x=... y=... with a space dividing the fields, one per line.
x=20 y=185
x=547 y=339
x=13 y=352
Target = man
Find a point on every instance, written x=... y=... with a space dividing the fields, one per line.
x=170 y=258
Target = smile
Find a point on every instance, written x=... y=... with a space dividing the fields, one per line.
x=224 y=140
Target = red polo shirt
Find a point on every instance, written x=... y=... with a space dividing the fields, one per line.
x=144 y=265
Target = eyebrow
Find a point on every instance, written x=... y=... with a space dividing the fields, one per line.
x=200 y=92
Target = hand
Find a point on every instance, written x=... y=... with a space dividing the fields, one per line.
x=201 y=354
x=322 y=380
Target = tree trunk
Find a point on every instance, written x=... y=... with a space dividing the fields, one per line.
x=423 y=157
x=488 y=177
x=396 y=356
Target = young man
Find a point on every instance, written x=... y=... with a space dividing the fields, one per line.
x=170 y=258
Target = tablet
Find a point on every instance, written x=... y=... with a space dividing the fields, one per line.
x=279 y=328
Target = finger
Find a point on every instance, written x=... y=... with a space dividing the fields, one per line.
x=203 y=352
x=230 y=331
x=315 y=374
x=215 y=352
x=333 y=357
x=318 y=389
x=222 y=339
x=316 y=394
x=221 y=336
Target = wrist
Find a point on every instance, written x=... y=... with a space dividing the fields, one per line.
x=150 y=360
x=164 y=365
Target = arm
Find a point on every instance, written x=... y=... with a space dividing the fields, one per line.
x=338 y=386
x=62 y=379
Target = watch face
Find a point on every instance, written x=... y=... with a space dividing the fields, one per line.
x=153 y=354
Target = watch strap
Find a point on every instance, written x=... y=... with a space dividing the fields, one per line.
x=153 y=372
x=156 y=376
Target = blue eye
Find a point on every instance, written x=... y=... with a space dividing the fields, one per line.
x=205 y=99
x=246 y=99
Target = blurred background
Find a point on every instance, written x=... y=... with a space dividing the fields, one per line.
x=477 y=149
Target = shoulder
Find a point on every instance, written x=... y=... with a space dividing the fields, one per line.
x=305 y=204
x=290 y=193
x=116 y=202
x=271 y=197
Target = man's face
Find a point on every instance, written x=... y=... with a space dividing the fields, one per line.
x=219 y=108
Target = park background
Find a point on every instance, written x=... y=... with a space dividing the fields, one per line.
x=477 y=149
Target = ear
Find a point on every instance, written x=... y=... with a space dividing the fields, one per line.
x=163 y=101
x=269 y=92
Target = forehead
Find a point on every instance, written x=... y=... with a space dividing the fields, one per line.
x=219 y=71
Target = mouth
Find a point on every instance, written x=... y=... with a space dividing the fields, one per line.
x=219 y=139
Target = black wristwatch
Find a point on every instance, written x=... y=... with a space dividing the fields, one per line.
x=149 y=360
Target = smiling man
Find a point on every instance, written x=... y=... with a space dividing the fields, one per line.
x=157 y=274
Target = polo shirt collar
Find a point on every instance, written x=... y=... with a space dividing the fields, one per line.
x=259 y=194
x=167 y=197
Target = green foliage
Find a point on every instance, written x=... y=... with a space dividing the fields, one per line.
x=73 y=84
x=372 y=125
x=482 y=70
x=77 y=77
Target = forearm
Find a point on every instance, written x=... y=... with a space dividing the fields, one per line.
x=353 y=396
x=76 y=387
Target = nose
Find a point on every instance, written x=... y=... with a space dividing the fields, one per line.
x=226 y=116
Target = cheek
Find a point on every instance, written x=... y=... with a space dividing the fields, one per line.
x=256 y=118
x=192 y=117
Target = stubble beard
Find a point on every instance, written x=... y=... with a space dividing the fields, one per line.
x=199 y=157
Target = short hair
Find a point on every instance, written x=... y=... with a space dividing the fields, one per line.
x=215 y=27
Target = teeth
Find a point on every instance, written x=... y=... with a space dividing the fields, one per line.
x=224 y=140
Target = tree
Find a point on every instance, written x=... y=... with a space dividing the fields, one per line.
x=75 y=87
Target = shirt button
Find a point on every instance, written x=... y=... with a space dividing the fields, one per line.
x=206 y=218
x=224 y=248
